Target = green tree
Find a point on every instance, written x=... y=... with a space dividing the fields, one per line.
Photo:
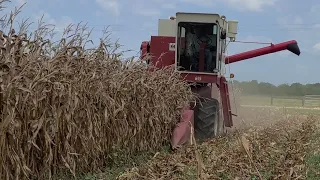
x=263 y=88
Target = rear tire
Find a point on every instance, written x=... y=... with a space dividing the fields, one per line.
x=207 y=120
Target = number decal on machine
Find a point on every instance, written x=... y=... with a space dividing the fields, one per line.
x=197 y=78
x=172 y=46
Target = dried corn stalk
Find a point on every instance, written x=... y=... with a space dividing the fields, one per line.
x=65 y=106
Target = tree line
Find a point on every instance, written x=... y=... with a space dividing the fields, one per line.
x=263 y=88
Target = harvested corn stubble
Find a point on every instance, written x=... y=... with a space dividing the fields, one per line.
x=70 y=108
x=275 y=152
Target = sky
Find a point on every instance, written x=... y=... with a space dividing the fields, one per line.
x=132 y=22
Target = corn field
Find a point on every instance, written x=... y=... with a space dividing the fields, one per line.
x=64 y=106
x=67 y=107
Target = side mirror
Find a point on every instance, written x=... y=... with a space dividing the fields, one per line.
x=223 y=35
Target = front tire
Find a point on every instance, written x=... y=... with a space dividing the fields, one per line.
x=207 y=120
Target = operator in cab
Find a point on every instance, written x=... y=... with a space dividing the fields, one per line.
x=197 y=35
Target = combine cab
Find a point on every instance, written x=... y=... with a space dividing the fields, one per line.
x=195 y=43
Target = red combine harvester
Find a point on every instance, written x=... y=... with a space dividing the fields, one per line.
x=195 y=43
